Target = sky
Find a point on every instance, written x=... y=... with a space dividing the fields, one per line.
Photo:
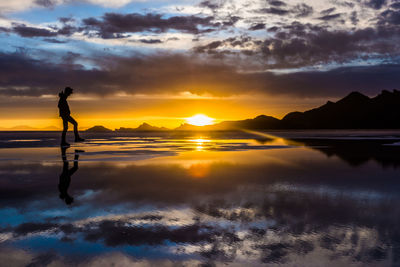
x=163 y=61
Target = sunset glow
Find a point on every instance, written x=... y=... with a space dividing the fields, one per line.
x=200 y=120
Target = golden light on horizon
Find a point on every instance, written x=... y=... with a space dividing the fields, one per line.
x=200 y=120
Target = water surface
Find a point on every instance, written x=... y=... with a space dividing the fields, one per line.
x=326 y=198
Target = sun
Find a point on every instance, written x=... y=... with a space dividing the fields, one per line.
x=200 y=120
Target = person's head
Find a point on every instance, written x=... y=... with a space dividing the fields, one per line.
x=68 y=91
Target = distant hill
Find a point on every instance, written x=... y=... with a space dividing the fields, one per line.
x=144 y=127
x=355 y=111
x=98 y=128
x=23 y=128
x=29 y=128
x=51 y=128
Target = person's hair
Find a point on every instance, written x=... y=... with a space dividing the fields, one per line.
x=68 y=89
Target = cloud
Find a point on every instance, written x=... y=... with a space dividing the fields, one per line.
x=150 y=41
x=213 y=5
x=28 y=228
x=21 y=5
x=299 y=10
x=330 y=17
x=302 y=10
x=158 y=74
x=276 y=3
x=274 y=11
x=375 y=4
x=302 y=45
x=112 y=3
x=115 y=233
x=258 y=26
x=390 y=17
x=54 y=41
x=114 y=25
x=27 y=31
x=16 y=5
x=47 y=3
x=328 y=11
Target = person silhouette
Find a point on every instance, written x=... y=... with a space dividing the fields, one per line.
x=65 y=176
x=65 y=115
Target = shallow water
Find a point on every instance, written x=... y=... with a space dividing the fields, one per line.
x=291 y=198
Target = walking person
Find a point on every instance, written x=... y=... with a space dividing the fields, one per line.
x=65 y=115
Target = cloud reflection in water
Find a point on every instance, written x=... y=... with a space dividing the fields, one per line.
x=254 y=204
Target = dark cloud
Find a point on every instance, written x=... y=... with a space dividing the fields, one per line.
x=31 y=32
x=390 y=17
x=375 y=4
x=276 y=3
x=330 y=17
x=27 y=31
x=29 y=228
x=66 y=19
x=54 y=41
x=151 y=41
x=113 y=25
x=302 y=10
x=209 y=47
x=230 y=21
x=258 y=26
x=6 y=30
x=273 y=29
x=299 y=10
x=343 y=3
x=354 y=18
x=213 y=5
x=234 y=42
x=154 y=74
x=274 y=11
x=46 y=3
x=395 y=5
x=328 y=11
x=67 y=30
x=301 y=45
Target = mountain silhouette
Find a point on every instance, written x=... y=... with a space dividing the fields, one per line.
x=355 y=111
x=258 y=123
x=98 y=128
x=144 y=127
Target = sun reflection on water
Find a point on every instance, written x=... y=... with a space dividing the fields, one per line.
x=199 y=142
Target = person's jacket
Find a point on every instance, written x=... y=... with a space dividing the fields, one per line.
x=63 y=105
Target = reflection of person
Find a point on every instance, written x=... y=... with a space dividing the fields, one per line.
x=65 y=176
x=65 y=114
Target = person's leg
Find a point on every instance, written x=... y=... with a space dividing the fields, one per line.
x=64 y=132
x=77 y=138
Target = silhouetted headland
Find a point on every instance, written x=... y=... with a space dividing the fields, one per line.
x=99 y=128
x=355 y=111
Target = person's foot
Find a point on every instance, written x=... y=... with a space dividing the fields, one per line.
x=65 y=144
x=78 y=139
